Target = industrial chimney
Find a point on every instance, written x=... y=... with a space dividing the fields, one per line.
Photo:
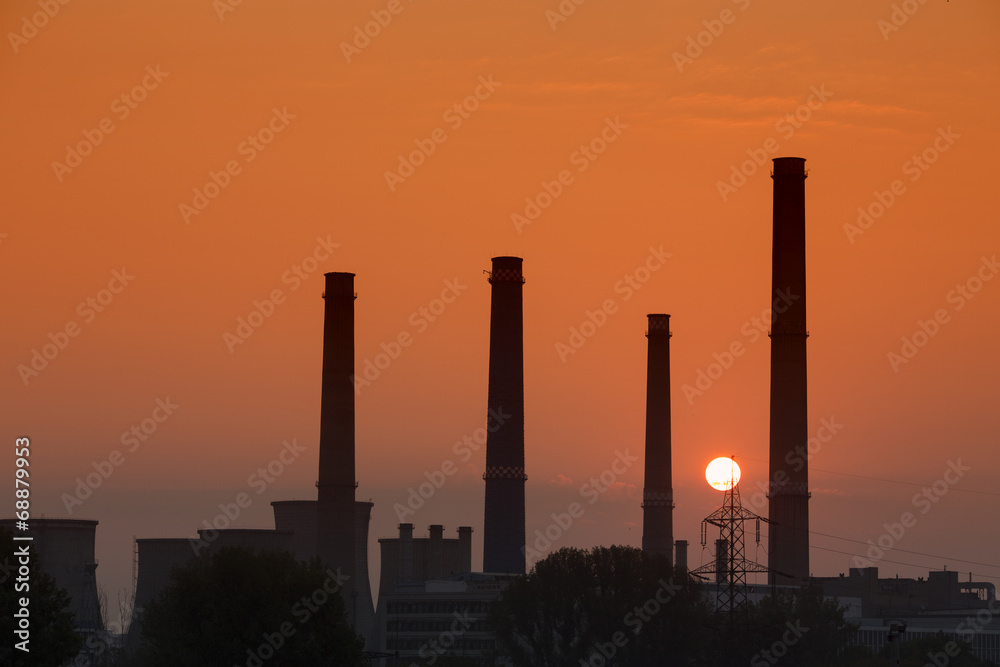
x=682 y=554
x=335 y=524
x=721 y=560
x=788 y=506
x=657 y=494
x=503 y=530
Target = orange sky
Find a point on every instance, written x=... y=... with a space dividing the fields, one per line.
x=890 y=95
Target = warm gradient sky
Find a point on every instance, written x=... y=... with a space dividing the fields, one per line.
x=888 y=95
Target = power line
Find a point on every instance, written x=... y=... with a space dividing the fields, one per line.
x=951 y=489
x=894 y=562
x=916 y=553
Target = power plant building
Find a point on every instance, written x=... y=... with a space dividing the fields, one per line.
x=426 y=584
x=939 y=603
x=406 y=559
x=64 y=549
x=335 y=526
x=430 y=602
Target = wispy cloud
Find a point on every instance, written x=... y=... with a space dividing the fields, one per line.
x=560 y=480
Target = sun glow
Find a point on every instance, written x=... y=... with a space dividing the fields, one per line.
x=722 y=473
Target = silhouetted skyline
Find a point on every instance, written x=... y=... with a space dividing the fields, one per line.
x=173 y=204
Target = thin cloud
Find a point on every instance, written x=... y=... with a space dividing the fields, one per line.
x=561 y=480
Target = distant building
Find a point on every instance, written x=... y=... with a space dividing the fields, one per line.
x=941 y=591
x=430 y=603
x=64 y=550
x=407 y=559
x=423 y=620
x=157 y=557
x=965 y=611
x=300 y=518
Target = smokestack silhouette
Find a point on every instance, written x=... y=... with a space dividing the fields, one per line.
x=721 y=560
x=788 y=506
x=503 y=530
x=335 y=509
x=658 y=494
x=682 y=554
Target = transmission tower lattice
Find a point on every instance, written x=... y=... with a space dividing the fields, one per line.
x=730 y=566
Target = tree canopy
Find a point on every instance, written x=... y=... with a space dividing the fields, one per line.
x=609 y=605
x=243 y=607
x=801 y=628
x=618 y=605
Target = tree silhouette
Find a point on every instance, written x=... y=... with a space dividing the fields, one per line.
x=800 y=628
x=241 y=607
x=618 y=606
x=610 y=605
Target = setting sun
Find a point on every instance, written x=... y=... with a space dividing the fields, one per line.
x=722 y=473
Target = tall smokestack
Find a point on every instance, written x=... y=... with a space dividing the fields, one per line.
x=335 y=511
x=503 y=530
x=682 y=554
x=721 y=560
x=788 y=507
x=658 y=493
